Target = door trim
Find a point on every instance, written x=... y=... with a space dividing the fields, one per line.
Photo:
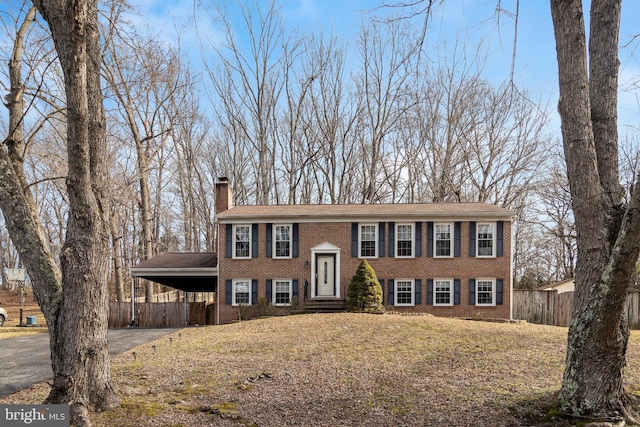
x=325 y=249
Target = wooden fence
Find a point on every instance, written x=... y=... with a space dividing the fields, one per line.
x=160 y=315
x=552 y=308
x=179 y=296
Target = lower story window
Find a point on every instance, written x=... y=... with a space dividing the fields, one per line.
x=404 y=292
x=485 y=292
x=443 y=288
x=242 y=292
x=282 y=295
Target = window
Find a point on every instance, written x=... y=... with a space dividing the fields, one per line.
x=443 y=289
x=486 y=239
x=485 y=292
x=282 y=241
x=404 y=292
x=404 y=240
x=368 y=238
x=242 y=241
x=241 y=292
x=282 y=295
x=443 y=240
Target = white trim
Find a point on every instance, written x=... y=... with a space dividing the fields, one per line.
x=413 y=292
x=451 y=239
x=233 y=291
x=493 y=239
x=273 y=291
x=273 y=241
x=451 y=292
x=234 y=241
x=329 y=249
x=493 y=292
x=174 y=271
x=413 y=240
x=375 y=239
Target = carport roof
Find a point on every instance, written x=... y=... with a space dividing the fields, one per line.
x=187 y=271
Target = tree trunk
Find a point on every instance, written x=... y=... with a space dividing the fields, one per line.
x=80 y=354
x=608 y=232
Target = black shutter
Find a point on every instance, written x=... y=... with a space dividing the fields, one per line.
x=296 y=234
x=391 y=296
x=500 y=238
x=381 y=281
x=381 y=239
x=294 y=288
x=456 y=291
x=499 y=291
x=254 y=292
x=269 y=240
x=429 y=238
x=429 y=291
x=269 y=290
x=254 y=240
x=228 y=241
x=228 y=292
x=418 y=239
x=472 y=291
x=472 y=238
x=392 y=234
x=418 y=291
x=457 y=236
x=354 y=239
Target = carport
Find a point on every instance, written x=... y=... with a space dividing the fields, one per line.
x=186 y=271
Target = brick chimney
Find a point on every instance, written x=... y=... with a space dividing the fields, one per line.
x=224 y=195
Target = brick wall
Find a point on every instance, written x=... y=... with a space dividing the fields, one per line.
x=339 y=234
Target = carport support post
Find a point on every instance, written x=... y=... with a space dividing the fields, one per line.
x=186 y=308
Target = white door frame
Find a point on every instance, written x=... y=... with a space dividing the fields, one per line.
x=325 y=249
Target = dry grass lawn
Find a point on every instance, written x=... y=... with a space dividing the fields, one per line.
x=343 y=370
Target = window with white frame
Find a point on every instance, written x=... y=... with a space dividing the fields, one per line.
x=242 y=241
x=241 y=292
x=282 y=294
x=368 y=239
x=443 y=292
x=486 y=239
x=443 y=240
x=404 y=290
x=404 y=240
x=485 y=292
x=282 y=240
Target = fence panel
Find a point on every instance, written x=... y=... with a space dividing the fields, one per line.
x=160 y=315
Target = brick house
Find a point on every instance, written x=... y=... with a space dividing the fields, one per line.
x=446 y=259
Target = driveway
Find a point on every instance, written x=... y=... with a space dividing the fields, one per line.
x=26 y=361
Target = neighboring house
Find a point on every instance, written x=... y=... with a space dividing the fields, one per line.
x=446 y=259
x=567 y=285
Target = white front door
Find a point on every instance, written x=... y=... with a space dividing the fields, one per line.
x=326 y=275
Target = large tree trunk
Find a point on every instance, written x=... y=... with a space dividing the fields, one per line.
x=79 y=348
x=608 y=231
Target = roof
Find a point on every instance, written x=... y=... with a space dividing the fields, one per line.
x=187 y=271
x=344 y=213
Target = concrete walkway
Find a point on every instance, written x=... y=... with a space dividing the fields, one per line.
x=26 y=361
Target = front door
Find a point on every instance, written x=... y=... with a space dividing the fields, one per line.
x=326 y=275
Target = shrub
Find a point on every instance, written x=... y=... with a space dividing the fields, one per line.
x=365 y=292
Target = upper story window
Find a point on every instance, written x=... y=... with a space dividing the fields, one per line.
x=443 y=240
x=486 y=239
x=404 y=292
x=241 y=292
x=485 y=292
x=443 y=292
x=282 y=241
x=242 y=241
x=367 y=238
x=404 y=240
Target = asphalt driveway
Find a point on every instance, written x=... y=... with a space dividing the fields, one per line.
x=25 y=361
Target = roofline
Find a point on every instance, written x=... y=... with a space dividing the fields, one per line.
x=288 y=218
x=173 y=271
